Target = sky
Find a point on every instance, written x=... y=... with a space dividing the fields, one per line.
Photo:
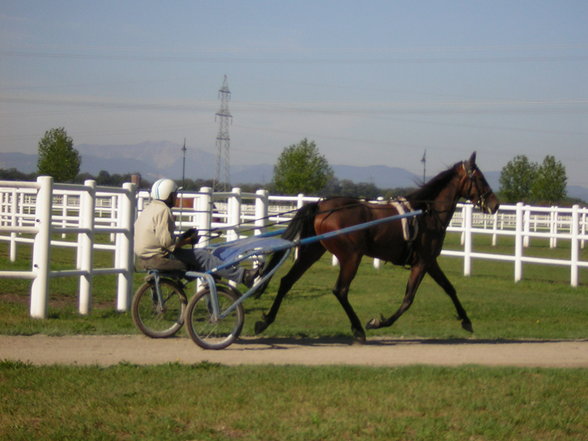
x=370 y=82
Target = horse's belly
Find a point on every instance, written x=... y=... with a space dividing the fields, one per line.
x=395 y=252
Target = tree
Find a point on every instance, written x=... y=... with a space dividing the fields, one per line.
x=550 y=181
x=516 y=179
x=57 y=156
x=13 y=174
x=301 y=169
x=524 y=181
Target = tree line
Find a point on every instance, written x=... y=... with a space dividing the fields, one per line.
x=541 y=184
x=301 y=168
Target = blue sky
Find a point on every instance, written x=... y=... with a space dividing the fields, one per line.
x=371 y=82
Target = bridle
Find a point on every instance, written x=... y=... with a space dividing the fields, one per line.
x=482 y=198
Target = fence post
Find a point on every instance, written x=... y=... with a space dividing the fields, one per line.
x=463 y=216
x=114 y=214
x=553 y=227
x=85 y=245
x=14 y=222
x=204 y=214
x=234 y=214
x=300 y=201
x=467 y=237
x=583 y=229
x=64 y=204
x=575 y=252
x=41 y=248
x=526 y=226
x=495 y=229
x=261 y=210
x=518 y=270
x=126 y=218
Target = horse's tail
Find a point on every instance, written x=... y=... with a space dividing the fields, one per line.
x=301 y=226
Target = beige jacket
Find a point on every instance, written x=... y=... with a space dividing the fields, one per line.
x=154 y=231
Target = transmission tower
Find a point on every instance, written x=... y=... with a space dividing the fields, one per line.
x=223 y=139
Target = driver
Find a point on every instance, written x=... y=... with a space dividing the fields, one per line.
x=157 y=247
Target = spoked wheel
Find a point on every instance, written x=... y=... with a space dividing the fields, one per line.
x=208 y=332
x=159 y=319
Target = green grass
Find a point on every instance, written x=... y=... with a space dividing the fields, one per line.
x=213 y=402
x=542 y=306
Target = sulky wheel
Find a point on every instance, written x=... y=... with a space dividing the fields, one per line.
x=208 y=332
x=159 y=319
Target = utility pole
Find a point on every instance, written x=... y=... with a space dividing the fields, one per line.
x=183 y=184
x=184 y=164
x=424 y=161
x=223 y=139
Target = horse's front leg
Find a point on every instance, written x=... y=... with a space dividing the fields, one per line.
x=347 y=271
x=439 y=276
x=417 y=272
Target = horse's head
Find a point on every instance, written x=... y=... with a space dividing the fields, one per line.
x=475 y=188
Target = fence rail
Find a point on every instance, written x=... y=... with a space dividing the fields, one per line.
x=34 y=212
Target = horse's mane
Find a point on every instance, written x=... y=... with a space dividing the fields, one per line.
x=425 y=193
x=431 y=189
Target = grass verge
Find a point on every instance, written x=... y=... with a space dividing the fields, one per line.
x=213 y=402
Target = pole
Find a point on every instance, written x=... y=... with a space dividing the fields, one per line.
x=184 y=163
x=183 y=183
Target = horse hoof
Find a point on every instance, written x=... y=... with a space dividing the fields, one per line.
x=359 y=338
x=467 y=325
x=358 y=341
x=260 y=327
x=374 y=324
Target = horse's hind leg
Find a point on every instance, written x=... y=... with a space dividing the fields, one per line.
x=439 y=276
x=307 y=256
x=417 y=273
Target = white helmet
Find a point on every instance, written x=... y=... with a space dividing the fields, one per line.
x=162 y=188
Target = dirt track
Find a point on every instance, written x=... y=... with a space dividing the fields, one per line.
x=108 y=350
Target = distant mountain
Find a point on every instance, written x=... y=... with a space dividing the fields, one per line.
x=252 y=174
x=380 y=175
x=577 y=192
x=151 y=159
x=22 y=162
x=157 y=159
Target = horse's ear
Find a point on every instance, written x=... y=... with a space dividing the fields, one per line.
x=471 y=163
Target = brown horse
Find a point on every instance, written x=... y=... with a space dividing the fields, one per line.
x=388 y=241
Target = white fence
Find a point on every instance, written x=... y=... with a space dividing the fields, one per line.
x=41 y=209
x=34 y=212
x=523 y=223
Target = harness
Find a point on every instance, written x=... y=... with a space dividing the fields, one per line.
x=410 y=227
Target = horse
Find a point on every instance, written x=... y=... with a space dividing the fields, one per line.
x=437 y=199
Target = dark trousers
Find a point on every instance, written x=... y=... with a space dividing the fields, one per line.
x=199 y=259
